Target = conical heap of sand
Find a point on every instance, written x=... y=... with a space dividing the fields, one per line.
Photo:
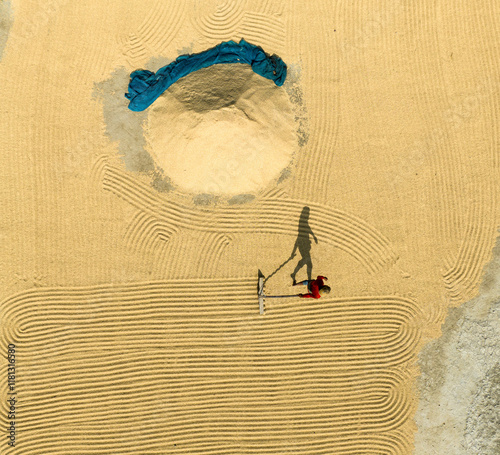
x=223 y=130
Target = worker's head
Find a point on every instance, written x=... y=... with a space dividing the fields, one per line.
x=325 y=290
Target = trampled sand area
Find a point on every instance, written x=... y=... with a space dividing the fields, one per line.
x=131 y=241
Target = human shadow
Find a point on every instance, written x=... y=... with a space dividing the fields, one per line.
x=303 y=244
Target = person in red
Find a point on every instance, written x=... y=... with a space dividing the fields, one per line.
x=316 y=287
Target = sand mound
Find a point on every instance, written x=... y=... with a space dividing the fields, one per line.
x=150 y=296
x=222 y=130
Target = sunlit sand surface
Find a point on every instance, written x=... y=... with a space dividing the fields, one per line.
x=131 y=242
x=223 y=130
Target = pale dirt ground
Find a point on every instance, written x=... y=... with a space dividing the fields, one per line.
x=132 y=300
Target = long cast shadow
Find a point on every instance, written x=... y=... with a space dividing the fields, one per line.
x=303 y=244
x=279 y=268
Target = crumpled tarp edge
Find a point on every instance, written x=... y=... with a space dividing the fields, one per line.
x=145 y=86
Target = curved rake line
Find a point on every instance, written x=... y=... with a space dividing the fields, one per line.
x=169 y=24
x=134 y=49
x=264 y=29
x=221 y=24
x=212 y=250
x=462 y=279
x=233 y=222
x=347 y=232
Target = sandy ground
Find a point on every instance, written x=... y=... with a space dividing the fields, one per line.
x=129 y=289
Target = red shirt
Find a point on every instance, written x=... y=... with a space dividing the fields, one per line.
x=315 y=286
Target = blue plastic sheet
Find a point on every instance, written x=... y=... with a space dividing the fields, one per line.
x=145 y=86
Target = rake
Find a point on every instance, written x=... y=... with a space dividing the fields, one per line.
x=262 y=296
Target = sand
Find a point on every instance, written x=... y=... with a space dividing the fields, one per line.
x=223 y=130
x=128 y=281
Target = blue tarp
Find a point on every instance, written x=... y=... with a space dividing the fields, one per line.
x=145 y=86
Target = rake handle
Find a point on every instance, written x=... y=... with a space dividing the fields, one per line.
x=279 y=296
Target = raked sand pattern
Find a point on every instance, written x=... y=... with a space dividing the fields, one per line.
x=209 y=375
x=132 y=300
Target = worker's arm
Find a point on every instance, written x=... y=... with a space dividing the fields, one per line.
x=307 y=296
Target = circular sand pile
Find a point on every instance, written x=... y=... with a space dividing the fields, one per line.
x=222 y=130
